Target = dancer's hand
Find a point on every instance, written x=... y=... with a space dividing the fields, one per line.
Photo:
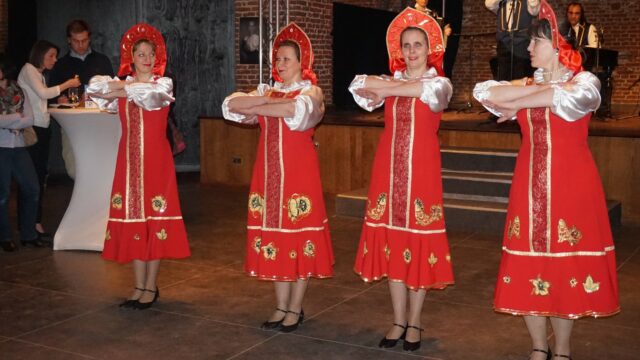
x=375 y=95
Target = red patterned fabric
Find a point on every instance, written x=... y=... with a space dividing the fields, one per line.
x=145 y=220
x=138 y=32
x=558 y=253
x=413 y=18
x=287 y=230
x=294 y=33
x=403 y=236
x=568 y=56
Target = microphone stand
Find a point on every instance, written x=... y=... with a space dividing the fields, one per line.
x=511 y=37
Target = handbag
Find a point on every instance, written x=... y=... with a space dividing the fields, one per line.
x=29 y=136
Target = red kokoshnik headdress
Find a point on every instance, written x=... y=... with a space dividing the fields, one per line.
x=568 y=56
x=139 y=32
x=415 y=19
x=294 y=33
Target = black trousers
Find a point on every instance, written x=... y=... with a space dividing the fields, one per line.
x=39 y=153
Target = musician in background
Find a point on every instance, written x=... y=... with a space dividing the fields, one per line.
x=577 y=27
x=513 y=20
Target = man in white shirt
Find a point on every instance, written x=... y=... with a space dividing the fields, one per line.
x=576 y=26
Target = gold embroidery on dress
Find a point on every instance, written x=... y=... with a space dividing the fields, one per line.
x=506 y=279
x=387 y=251
x=257 y=241
x=432 y=259
x=381 y=204
x=514 y=228
x=136 y=237
x=299 y=206
x=448 y=257
x=573 y=282
x=162 y=235
x=116 y=201
x=256 y=204
x=572 y=235
x=309 y=249
x=590 y=286
x=107 y=236
x=422 y=218
x=407 y=255
x=364 y=249
x=269 y=251
x=159 y=203
x=293 y=254
x=540 y=287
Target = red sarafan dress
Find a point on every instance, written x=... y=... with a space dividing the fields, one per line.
x=558 y=255
x=145 y=221
x=403 y=235
x=287 y=230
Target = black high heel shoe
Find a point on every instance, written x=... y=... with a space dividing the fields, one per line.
x=143 y=306
x=129 y=303
x=271 y=325
x=548 y=353
x=412 y=346
x=35 y=243
x=292 y=327
x=389 y=343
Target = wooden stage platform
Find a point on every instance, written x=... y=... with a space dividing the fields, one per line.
x=346 y=142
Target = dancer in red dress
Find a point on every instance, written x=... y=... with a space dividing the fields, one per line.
x=145 y=221
x=287 y=232
x=403 y=236
x=558 y=258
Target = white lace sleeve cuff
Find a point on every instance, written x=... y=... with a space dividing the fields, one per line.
x=99 y=86
x=309 y=110
x=152 y=95
x=436 y=92
x=576 y=98
x=481 y=93
x=358 y=83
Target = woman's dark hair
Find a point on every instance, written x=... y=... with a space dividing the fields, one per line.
x=412 y=28
x=291 y=44
x=39 y=49
x=7 y=67
x=541 y=29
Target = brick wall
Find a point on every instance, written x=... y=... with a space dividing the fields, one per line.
x=618 y=17
x=4 y=24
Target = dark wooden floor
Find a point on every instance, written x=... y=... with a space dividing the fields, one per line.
x=63 y=304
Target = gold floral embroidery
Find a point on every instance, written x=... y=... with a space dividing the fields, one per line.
x=407 y=255
x=422 y=218
x=257 y=241
x=590 y=286
x=572 y=235
x=364 y=249
x=293 y=254
x=116 y=201
x=506 y=279
x=573 y=282
x=540 y=287
x=269 y=251
x=381 y=204
x=299 y=206
x=448 y=257
x=256 y=204
x=162 y=235
x=159 y=203
x=387 y=251
x=107 y=236
x=514 y=228
x=432 y=259
x=309 y=249
x=136 y=237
